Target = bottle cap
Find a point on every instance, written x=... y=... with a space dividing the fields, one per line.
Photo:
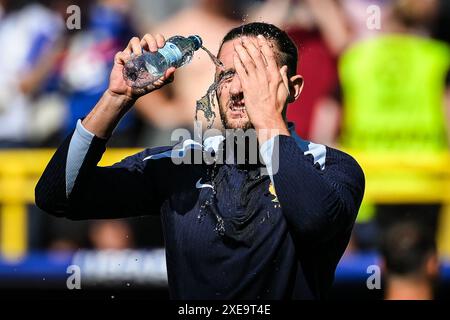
x=197 y=41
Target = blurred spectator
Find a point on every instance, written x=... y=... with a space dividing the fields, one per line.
x=441 y=26
x=320 y=44
x=174 y=106
x=148 y=14
x=393 y=89
x=9 y=6
x=90 y=55
x=414 y=14
x=67 y=80
x=111 y=234
x=320 y=31
x=2 y=7
x=410 y=262
x=359 y=12
x=30 y=37
x=56 y=234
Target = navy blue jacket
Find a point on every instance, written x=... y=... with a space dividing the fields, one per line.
x=229 y=233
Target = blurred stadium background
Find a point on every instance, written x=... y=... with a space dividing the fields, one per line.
x=378 y=88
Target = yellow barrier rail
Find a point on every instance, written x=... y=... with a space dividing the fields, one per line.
x=390 y=178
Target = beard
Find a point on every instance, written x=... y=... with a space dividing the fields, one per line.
x=227 y=124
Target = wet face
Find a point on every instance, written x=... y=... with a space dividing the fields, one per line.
x=229 y=91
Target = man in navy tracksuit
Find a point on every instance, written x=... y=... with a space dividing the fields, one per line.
x=230 y=231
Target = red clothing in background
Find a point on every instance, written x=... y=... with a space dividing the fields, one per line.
x=318 y=66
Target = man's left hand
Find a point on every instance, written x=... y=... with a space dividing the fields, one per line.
x=264 y=84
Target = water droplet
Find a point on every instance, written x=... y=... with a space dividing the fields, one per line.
x=214 y=59
x=206 y=104
x=220 y=225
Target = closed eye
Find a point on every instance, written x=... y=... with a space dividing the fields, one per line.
x=226 y=75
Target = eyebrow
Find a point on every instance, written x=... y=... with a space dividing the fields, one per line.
x=225 y=72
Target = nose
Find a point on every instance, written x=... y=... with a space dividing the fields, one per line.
x=235 y=86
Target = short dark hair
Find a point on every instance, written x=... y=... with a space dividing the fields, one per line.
x=287 y=50
x=406 y=246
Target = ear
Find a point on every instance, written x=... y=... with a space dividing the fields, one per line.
x=295 y=87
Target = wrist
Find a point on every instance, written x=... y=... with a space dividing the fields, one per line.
x=119 y=100
x=270 y=128
x=107 y=113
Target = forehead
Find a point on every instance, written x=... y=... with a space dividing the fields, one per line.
x=227 y=51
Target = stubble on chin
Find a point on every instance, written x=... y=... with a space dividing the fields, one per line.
x=227 y=124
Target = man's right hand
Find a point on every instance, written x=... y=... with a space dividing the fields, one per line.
x=120 y=97
x=117 y=83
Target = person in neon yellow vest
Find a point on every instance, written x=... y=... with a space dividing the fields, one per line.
x=393 y=88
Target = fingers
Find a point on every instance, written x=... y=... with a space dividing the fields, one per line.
x=121 y=57
x=238 y=65
x=268 y=53
x=244 y=57
x=256 y=56
x=167 y=78
x=160 y=40
x=153 y=43
x=169 y=72
x=148 y=42
x=254 y=52
x=135 y=46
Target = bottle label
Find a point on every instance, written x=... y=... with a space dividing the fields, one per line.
x=171 y=53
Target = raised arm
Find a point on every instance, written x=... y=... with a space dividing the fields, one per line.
x=74 y=186
x=317 y=202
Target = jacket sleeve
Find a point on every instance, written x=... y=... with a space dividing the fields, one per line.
x=73 y=186
x=318 y=200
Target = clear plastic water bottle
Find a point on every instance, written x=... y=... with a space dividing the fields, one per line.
x=143 y=70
